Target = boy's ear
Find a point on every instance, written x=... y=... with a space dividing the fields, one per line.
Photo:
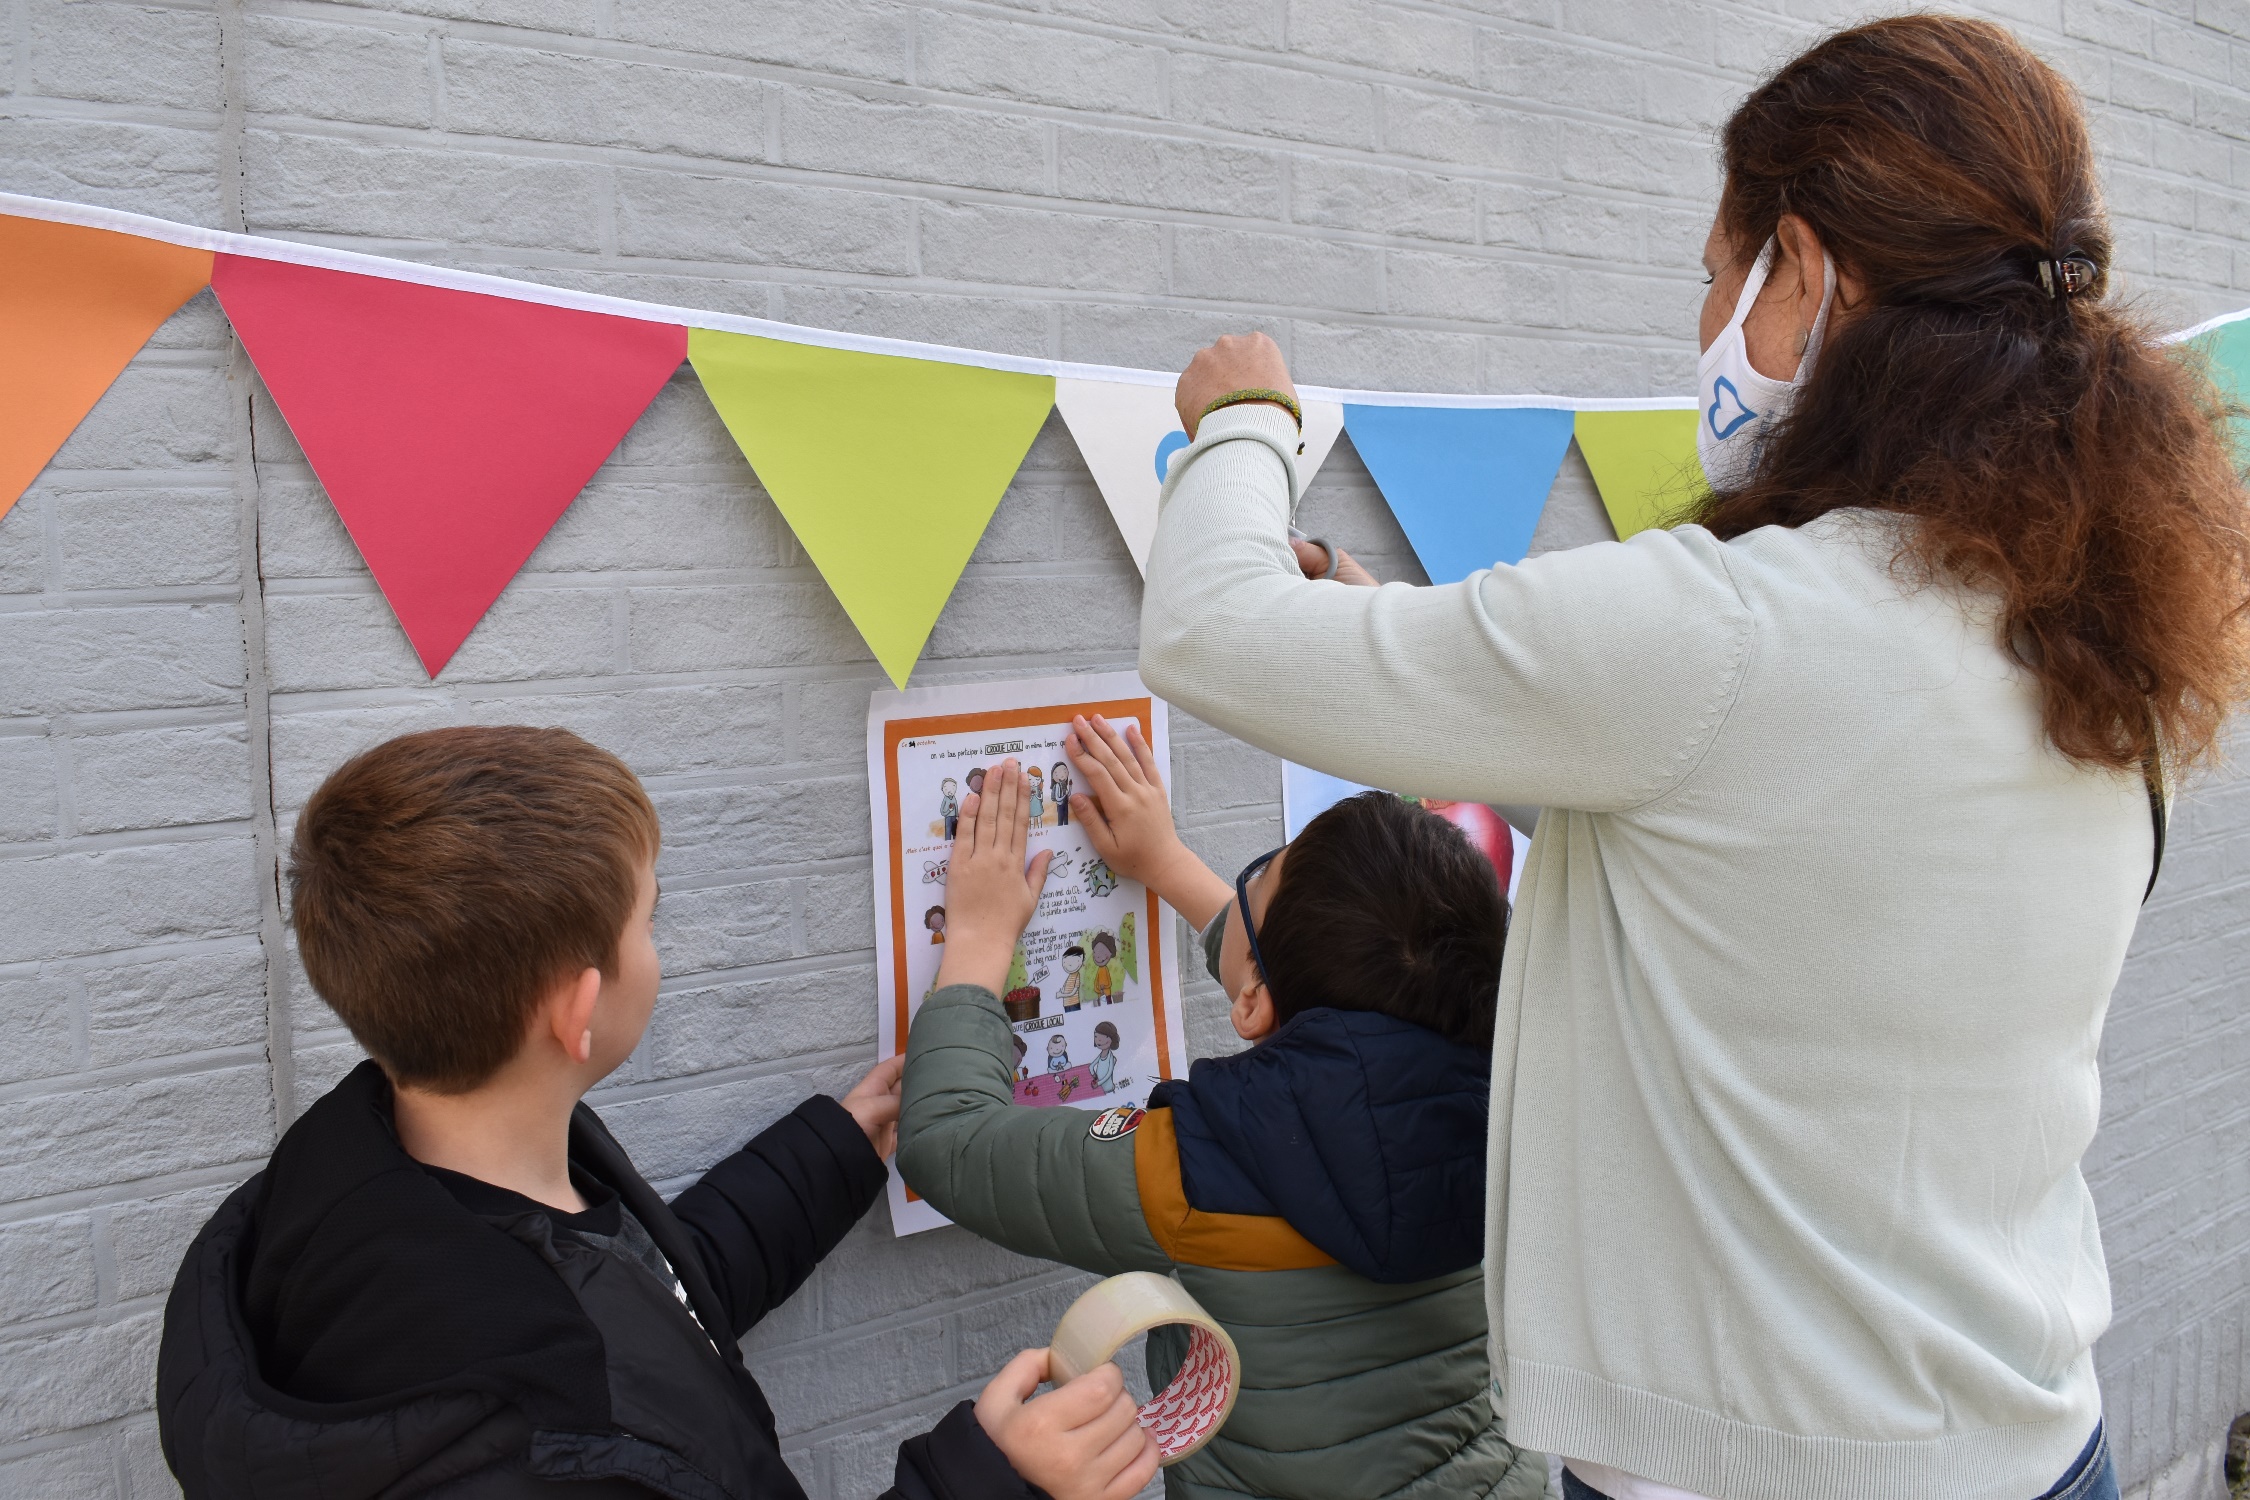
x=1253 y=1014
x=570 y=1014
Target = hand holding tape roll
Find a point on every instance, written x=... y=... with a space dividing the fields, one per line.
x=1187 y=1413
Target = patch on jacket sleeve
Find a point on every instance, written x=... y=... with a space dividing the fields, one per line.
x=1119 y=1120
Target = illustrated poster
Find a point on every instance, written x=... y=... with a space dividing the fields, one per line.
x=1091 y=994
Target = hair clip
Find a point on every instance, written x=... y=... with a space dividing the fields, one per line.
x=2067 y=276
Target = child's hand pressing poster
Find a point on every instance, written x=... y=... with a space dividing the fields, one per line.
x=1089 y=988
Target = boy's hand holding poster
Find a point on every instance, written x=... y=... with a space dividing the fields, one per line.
x=1090 y=993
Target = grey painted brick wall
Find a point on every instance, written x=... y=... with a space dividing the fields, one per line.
x=1488 y=194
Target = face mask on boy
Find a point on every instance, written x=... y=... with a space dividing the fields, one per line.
x=1739 y=406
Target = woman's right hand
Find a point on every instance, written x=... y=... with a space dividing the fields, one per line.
x=1080 y=1441
x=1237 y=362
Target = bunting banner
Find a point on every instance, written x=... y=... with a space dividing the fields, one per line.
x=1128 y=431
x=1466 y=484
x=887 y=469
x=1643 y=463
x=76 y=304
x=453 y=416
x=451 y=430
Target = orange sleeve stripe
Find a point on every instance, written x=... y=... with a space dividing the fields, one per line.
x=1223 y=1242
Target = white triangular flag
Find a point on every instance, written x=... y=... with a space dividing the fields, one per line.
x=1128 y=433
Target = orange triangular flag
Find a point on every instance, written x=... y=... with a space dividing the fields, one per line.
x=76 y=305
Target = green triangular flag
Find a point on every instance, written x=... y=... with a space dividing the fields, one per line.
x=888 y=469
x=1644 y=464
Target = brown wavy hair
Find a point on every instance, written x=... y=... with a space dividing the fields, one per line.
x=2046 y=447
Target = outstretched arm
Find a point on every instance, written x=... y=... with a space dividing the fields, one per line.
x=763 y=1218
x=1585 y=679
x=1034 y=1180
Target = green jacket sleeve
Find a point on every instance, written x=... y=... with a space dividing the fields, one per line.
x=1034 y=1180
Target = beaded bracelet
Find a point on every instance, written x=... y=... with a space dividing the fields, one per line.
x=1279 y=398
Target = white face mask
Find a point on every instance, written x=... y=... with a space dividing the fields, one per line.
x=1738 y=407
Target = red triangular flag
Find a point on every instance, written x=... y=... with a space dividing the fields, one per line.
x=451 y=429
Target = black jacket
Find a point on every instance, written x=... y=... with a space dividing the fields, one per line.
x=345 y=1327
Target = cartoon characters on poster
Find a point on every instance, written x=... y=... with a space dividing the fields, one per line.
x=934 y=920
x=1073 y=960
x=1050 y=804
x=1095 y=966
x=1062 y=1080
x=1103 y=950
x=1104 y=1066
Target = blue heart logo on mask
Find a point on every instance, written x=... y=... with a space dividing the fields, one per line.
x=1725 y=398
x=1166 y=446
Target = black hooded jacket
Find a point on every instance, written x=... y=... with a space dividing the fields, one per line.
x=348 y=1327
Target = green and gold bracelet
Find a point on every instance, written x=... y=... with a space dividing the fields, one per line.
x=1278 y=398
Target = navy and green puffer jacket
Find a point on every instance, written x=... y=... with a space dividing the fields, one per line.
x=1321 y=1194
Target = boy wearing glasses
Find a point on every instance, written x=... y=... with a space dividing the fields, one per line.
x=1321 y=1193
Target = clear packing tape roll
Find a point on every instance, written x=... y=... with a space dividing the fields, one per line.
x=1187 y=1413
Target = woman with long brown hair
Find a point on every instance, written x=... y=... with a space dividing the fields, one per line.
x=1852 y=792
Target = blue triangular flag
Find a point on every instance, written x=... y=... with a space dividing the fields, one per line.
x=1466 y=483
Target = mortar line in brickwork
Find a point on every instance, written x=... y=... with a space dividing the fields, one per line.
x=839 y=961
x=123 y=838
x=101 y=1315
x=1181 y=132
x=580 y=44
x=727 y=877
x=119 y=1075
x=74 y=1437
x=161 y=1185
x=192 y=593
x=678 y=1085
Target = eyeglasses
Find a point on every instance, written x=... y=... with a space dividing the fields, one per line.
x=1242 y=897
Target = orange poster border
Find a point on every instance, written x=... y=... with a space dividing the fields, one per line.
x=1116 y=710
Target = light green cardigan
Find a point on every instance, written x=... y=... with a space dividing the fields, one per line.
x=1796 y=1052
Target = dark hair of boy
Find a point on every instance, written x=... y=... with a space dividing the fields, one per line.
x=1074 y=948
x=442 y=882
x=1384 y=906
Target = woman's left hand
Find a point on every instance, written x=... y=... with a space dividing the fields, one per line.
x=1312 y=561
